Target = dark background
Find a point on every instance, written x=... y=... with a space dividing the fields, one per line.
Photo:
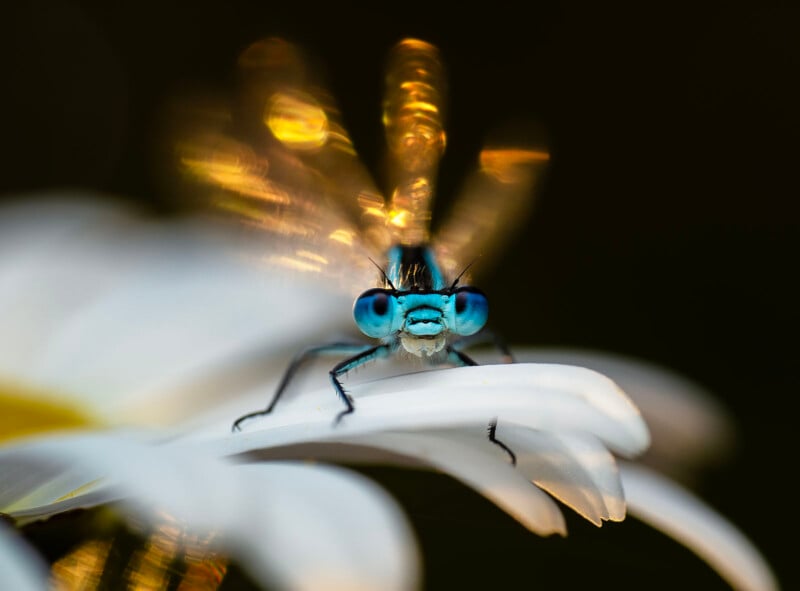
x=666 y=228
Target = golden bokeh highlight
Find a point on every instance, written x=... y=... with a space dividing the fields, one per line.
x=294 y=263
x=508 y=164
x=494 y=201
x=276 y=159
x=230 y=165
x=297 y=121
x=167 y=559
x=413 y=120
x=343 y=236
x=81 y=569
x=275 y=56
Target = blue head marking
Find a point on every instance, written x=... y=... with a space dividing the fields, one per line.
x=423 y=310
x=424 y=313
x=376 y=314
x=470 y=311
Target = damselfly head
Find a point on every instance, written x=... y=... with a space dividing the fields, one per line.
x=421 y=320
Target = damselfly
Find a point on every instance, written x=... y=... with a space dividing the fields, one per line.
x=277 y=158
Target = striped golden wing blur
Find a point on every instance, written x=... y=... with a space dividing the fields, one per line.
x=277 y=159
x=493 y=203
x=413 y=119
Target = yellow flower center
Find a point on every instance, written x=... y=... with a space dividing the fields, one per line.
x=26 y=412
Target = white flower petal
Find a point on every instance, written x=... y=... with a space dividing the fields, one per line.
x=548 y=397
x=322 y=527
x=293 y=526
x=496 y=480
x=45 y=245
x=32 y=512
x=21 y=569
x=687 y=424
x=558 y=401
x=575 y=468
x=118 y=311
x=37 y=484
x=19 y=480
x=183 y=313
x=40 y=484
x=672 y=509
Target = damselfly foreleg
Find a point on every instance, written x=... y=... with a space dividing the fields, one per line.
x=301 y=358
x=458 y=358
x=352 y=363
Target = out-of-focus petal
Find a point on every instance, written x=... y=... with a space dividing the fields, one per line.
x=118 y=311
x=21 y=569
x=687 y=424
x=39 y=484
x=321 y=527
x=292 y=526
x=675 y=511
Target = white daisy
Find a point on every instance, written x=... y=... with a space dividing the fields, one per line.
x=117 y=317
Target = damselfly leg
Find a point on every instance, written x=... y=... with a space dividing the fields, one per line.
x=360 y=354
x=459 y=358
x=492 y=430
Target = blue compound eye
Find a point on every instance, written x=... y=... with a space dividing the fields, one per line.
x=472 y=310
x=374 y=312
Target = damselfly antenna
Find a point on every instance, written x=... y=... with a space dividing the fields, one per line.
x=460 y=275
x=386 y=277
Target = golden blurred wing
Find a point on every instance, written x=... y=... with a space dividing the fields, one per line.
x=277 y=159
x=413 y=112
x=491 y=207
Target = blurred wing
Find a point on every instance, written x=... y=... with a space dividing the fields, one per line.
x=492 y=205
x=412 y=116
x=278 y=161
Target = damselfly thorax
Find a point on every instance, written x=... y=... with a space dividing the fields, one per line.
x=277 y=159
